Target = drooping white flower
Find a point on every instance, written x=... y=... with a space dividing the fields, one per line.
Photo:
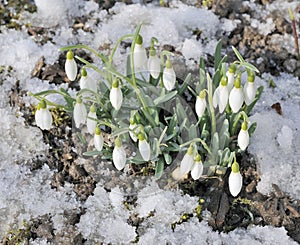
x=197 y=168
x=230 y=75
x=139 y=55
x=119 y=155
x=169 y=76
x=223 y=94
x=187 y=161
x=144 y=147
x=236 y=97
x=91 y=121
x=116 y=96
x=243 y=137
x=216 y=96
x=133 y=130
x=79 y=113
x=250 y=89
x=200 y=105
x=71 y=66
x=43 y=117
x=235 y=180
x=98 y=139
x=86 y=82
x=153 y=64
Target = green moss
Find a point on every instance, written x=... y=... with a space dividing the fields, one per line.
x=18 y=236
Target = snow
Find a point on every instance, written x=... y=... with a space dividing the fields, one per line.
x=27 y=194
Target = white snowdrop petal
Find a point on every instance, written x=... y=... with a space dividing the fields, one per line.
x=119 y=157
x=87 y=82
x=200 y=106
x=216 y=97
x=71 y=69
x=90 y=123
x=197 y=170
x=186 y=163
x=38 y=118
x=132 y=133
x=235 y=182
x=249 y=92
x=139 y=57
x=144 y=148
x=46 y=119
x=169 y=78
x=243 y=139
x=236 y=99
x=80 y=114
x=230 y=77
x=223 y=98
x=98 y=141
x=116 y=97
x=154 y=66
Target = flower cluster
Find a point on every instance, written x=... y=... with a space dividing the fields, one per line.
x=145 y=108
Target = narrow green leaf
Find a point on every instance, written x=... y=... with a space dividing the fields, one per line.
x=249 y=108
x=238 y=55
x=165 y=98
x=168 y=158
x=215 y=144
x=252 y=128
x=217 y=55
x=250 y=67
x=186 y=82
x=159 y=168
x=119 y=131
x=91 y=153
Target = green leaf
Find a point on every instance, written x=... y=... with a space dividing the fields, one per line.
x=91 y=153
x=252 y=128
x=224 y=135
x=238 y=55
x=159 y=168
x=119 y=131
x=250 y=67
x=217 y=55
x=185 y=83
x=193 y=132
x=168 y=158
x=164 y=98
x=215 y=144
x=249 y=108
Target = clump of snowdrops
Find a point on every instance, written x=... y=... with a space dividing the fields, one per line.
x=144 y=110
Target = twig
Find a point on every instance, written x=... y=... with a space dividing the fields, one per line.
x=292 y=17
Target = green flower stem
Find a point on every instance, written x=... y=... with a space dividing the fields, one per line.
x=211 y=107
x=82 y=46
x=128 y=36
x=89 y=65
x=236 y=121
x=195 y=140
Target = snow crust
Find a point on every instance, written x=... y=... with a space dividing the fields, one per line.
x=27 y=194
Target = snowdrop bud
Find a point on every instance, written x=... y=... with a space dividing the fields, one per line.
x=200 y=104
x=144 y=147
x=235 y=180
x=223 y=94
x=169 y=76
x=132 y=130
x=71 y=66
x=43 y=117
x=87 y=82
x=116 y=96
x=230 y=74
x=187 y=161
x=236 y=97
x=153 y=63
x=197 y=168
x=79 y=113
x=119 y=155
x=250 y=89
x=91 y=123
x=98 y=139
x=243 y=137
x=139 y=54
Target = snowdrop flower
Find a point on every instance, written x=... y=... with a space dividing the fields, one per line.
x=71 y=66
x=197 y=168
x=144 y=147
x=91 y=122
x=250 y=89
x=243 y=137
x=87 y=82
x=98 y=139
x=235 y=180
x=230 y=75
x=236 y=97
x=153 y=63
x=187 y=161
x=221 y=94
x=119 y=155
x=169 y=76
x=116 y=96
x=133 y=130
x=200 y=105
x=139 y=55
x=79 y=113
x=43 y=117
